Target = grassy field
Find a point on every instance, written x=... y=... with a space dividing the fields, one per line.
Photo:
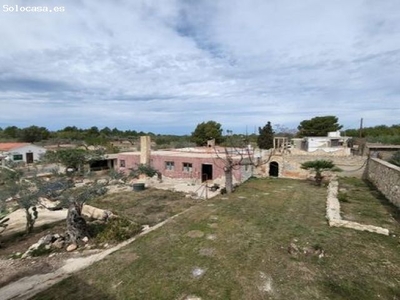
x=361 y=202
x=268 y=240
x=148 y=207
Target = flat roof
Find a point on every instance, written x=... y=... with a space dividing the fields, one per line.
x=382 y=146
x=194 y=154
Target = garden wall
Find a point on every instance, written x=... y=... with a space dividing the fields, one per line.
x=386 y=178
x=290 y=165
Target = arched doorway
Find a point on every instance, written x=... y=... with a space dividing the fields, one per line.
x=273 y=169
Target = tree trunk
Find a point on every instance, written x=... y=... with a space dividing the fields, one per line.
x=76 y=224
x=228 y=180
x=318 y=178
x=30 y=219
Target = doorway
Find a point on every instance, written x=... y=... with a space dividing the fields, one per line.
x=29 y=158
x=273 y=169
x=206 y=172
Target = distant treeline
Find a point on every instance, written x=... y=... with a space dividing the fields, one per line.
x=378 y=134
x=96 y=136
x=90 y=136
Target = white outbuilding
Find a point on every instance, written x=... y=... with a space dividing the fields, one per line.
x=21 y=152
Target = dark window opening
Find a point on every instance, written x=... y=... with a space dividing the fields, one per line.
x=169 y=165
x=187 y=167
x=206 y=172
x=17 y=157
x=273 y=169
x=99 y=165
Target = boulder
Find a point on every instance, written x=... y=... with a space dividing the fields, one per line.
x=72 y=247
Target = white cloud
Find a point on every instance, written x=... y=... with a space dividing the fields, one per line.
x=172 y=64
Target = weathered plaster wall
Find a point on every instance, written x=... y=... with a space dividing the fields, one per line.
x=158 y=163
x=290 y=165
x=386 y=178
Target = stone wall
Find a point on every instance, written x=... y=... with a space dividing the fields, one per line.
x=386 y=178
x=290 y=164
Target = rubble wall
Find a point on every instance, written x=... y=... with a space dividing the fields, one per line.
x=386 y=178
x=290 y=165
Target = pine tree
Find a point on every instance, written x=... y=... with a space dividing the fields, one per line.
x=265 y=139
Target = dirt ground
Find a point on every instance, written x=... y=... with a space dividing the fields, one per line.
x=15 y=245
x=14 y=269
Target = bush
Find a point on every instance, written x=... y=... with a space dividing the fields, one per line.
x=117 y=230
x=117 y=175
x=342 y=197
x=40 y=251
x=143 y=169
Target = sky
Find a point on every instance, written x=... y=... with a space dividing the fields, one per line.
x=165 y=66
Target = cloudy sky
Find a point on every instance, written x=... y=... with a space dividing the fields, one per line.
x=165 y=66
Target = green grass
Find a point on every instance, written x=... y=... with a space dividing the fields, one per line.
x=149 y=207
x=251 y=234
x=361 y=202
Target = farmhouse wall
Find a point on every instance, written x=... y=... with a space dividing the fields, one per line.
x=127 y=161
x=36 y=151
x=386 y=178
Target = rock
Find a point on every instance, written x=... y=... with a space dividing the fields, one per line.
x=96 y=213
x=34 y=246
x=211 y=237
x=85 y=239
x=113 y=182
x=102 y=181
x=293 y=249
x=47 y=203
x=192 y=297
x=198 y=272
x=195 y=234
x=58 y=244
x=48 y=239
x=72 y=247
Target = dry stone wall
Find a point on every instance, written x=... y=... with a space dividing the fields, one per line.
x=386 y=178
x=333 y=213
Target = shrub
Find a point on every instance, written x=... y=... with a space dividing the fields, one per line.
x=318 y=166
x=117 y=230
x=143 y=169
x=342 y=197
x=40 y=251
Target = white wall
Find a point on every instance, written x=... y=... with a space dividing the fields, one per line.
x=37 y=152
